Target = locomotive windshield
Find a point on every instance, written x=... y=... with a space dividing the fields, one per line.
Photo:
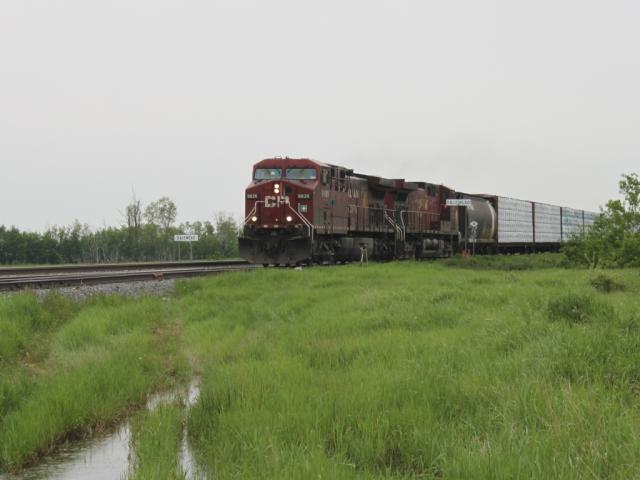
x=301 y=173
x=268 y=173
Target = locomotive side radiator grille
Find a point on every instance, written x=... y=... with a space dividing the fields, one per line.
x=363 y=219
x=418 y=222
x=368 y=219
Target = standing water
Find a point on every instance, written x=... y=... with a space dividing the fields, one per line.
x=108 y=457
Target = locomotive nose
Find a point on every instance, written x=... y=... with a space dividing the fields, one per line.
x=275 y=204
x=276 y=209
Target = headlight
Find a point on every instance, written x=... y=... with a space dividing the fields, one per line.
x=276 y=188
x=289 y=218
x=254 y=219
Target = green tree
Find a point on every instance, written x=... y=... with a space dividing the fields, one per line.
x=227 y=230
x=162 y=212
x=157 y=233
x=614 y=239
x=133 y=240
x=133 y=221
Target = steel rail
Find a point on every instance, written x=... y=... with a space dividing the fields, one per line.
x=121 y=274
x=92 y=267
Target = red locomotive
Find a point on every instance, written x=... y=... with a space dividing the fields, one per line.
x=300 y=210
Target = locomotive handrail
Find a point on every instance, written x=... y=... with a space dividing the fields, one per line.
x=419 y=213
x=402 y=221
x=416 y=221
x=304 y=220
x=253 y=210
x=385 y=219
x=393 y=223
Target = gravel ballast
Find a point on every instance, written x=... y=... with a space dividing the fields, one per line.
x=127 y=289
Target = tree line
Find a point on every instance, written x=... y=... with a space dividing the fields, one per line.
x=613 y=241
x=145 y=235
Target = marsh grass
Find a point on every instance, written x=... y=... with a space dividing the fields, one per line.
x=156 y=441
x=517 y=262
x=578 y=307
x=400 y=370
x=414 y=371
x=24 y=320
x=68 y=370
x=607 y=283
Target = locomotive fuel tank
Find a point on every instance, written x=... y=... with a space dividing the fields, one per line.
x=478 y=220
x=351 y=247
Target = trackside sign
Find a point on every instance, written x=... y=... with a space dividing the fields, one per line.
x=458 y=202
x=185 y=238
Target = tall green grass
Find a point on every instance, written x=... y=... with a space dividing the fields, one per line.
x=23 y=320
x=68 y=369
x=415 y=371
x=533 y=261
x=156 y=440
x=402 y=370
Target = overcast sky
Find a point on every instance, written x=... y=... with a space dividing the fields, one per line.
x=531 y=99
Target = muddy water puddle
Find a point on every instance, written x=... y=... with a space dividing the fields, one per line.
x=104 y=457
x=110 y=457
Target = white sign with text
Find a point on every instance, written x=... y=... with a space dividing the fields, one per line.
x=458 y=202
x=185 y=238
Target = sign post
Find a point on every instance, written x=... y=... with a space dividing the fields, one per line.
x=186 y=238
x=473 y=227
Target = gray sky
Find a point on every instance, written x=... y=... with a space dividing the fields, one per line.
x=531 y=99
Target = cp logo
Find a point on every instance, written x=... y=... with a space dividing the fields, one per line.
x=271 y=201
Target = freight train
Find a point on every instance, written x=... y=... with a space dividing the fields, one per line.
x=300 y=211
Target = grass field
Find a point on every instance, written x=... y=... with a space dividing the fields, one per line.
x=403 y=370
x=67 y=371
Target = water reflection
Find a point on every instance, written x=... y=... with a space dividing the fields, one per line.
x=107 y=457
x=187 y=459
x=100 y=458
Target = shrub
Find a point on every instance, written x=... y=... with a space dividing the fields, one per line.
x=605 y=283
x=578 y=308
x=507 y=262
x=614 y=238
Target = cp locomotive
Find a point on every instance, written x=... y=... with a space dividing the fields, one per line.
x=299 y=210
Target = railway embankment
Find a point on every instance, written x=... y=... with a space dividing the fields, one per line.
x=389 y=370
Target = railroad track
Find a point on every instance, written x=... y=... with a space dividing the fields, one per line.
x=16 y=278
